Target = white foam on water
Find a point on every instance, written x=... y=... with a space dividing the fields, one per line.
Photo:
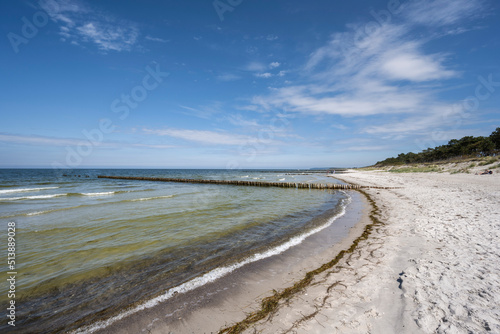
x=31 y=197
x=37 y=213
x=22 y=190
x=214 y=274
x=99 y=194
x=151 y=198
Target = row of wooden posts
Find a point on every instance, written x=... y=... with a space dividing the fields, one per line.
x=300 y=185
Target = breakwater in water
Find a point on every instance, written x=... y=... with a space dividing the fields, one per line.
x=300 y=185
x=93 y=248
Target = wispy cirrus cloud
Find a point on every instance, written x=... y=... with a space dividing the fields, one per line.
x=38 y=140
x=387 y=72
x=46 y=141
x=80 y=24
x=203 y=137
x=156 y=39
x=440 y=13
x=108 y=36
x=278 y=128
x=265 y=75
x=238 y=120
x=207 y=111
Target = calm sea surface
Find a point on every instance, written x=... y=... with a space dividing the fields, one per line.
x=89 y=249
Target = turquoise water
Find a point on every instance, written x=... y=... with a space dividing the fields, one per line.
x=87 y=249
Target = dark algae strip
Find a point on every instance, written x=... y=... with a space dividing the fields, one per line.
x=269 y=305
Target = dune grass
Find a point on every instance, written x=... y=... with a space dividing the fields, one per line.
x=424 y=169
x=489 y=161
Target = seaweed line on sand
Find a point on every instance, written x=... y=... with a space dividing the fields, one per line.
x=270 y=305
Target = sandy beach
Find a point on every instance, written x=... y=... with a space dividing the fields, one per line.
x=433 y=267
x=429 y=265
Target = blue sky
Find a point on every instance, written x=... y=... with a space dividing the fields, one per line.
x=243 y=84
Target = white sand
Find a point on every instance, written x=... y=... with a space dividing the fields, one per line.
x=434 y=267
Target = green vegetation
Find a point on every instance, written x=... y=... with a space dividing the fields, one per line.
x=489 y=161
x=425 y=169
x=456 y=148
x=463 y=170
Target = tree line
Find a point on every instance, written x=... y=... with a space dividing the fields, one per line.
x=468 y=146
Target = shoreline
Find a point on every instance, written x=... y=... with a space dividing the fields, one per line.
x=432 y=267
x=227 y=300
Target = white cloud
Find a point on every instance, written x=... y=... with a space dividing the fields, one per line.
x=274 y=64
x=62 y=10
x=271 y=37
x=414 y=67
x=79 y=24
x=312 y=100
x=238 y=120
x=39 y=140
x=156 y=39
x=204 y=137
x=368 y=148
x=154 y=146
x=34 y=140
x=107 y=36
x=386 y=72
x=204 y=111
x=442 y=12
x=264 y=75
x=422 y=123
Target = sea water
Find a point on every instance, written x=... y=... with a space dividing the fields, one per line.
x=90 y=249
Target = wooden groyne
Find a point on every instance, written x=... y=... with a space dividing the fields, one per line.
x=299 y=185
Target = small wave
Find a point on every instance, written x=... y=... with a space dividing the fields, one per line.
x=213 y=275
x=38 y=213
x=57 y=195
x=22 y=190
x=31 y=197
x=107 y=193
x=56 y=210
x=283 y=179
x=150 y=198
x=244 y=176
